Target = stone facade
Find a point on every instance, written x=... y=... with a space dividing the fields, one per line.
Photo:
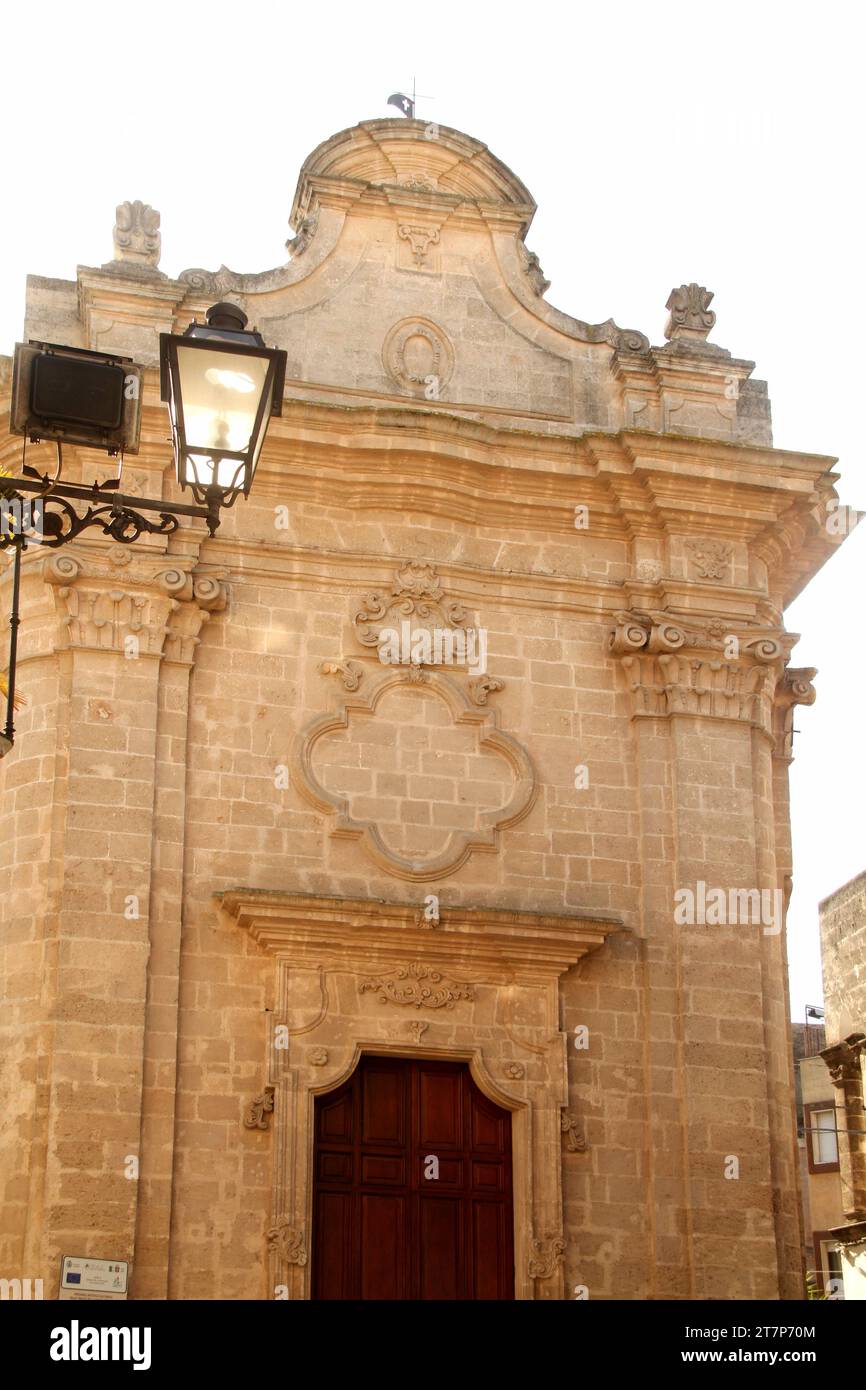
x=843 y=957
x=239 y=850
x=819 y=1160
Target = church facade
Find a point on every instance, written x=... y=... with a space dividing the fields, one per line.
x=395 y=882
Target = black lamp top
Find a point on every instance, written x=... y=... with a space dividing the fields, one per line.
x=228 y=316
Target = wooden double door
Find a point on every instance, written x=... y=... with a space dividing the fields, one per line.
x=412 y=1186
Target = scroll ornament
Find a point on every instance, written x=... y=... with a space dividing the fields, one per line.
x=546 y=1255
x=257 y=1112
x=795 y=688
x=417 y=985
x=416 y=592
x=575 y=1140
x=534 y=273
x=843 y=1060
x=287 y=1241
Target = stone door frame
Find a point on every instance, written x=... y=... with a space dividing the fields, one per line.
x=478 y=985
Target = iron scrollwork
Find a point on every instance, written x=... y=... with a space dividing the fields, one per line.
x=61 y=523
x=51 y=520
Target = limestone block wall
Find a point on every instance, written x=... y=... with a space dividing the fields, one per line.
x=179 y=775
x=677 y=1021
x=843 y=954
x=224 y=814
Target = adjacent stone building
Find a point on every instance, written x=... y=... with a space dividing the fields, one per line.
x=819 y=1161
x=285 y=921
x=843 y=956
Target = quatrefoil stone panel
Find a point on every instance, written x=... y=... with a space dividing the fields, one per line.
x=417 y=772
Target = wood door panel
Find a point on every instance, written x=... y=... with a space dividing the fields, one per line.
x=334 y=1119
x=383 y=1111
x=440 y=1248
x=332 y=1255
x=440 y=1110
x=383 y=1242
x=489 y=1177
x=334 y=1167
x=382 y=1229
x=487 y=1243
x=488 y=1128
x=383 y=1168
x=451 y=1174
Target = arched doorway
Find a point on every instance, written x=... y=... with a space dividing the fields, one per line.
x=412 y=1190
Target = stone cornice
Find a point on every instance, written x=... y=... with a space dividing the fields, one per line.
x=501 y=943
x=703 y=468
x=640 y=487
x=729 y=462
x=678 y=469
x=663 y=487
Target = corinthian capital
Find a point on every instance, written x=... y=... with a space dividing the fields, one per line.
x=843 y=1061
x=121 y=602
x=682 y=665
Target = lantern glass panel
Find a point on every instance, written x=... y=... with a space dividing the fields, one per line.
x=263 y=429
x=220 y=392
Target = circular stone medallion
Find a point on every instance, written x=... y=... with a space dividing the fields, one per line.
x=419 y=357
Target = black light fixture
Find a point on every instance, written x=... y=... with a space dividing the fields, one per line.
x=75 y=396
x=222 y=385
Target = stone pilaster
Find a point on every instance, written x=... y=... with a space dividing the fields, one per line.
x=716 y=1010
x=122 y=638
x=198 y=598
x=794 y=688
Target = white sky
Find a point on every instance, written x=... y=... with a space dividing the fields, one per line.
x=663 y=143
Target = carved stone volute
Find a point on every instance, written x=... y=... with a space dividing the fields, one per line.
x=795 y=688
x=133 y=606
x=680 y=665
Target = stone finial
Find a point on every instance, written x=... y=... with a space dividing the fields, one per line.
x=690 y=314
x=136 y=234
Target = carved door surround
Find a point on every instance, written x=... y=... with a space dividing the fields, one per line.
x=479 y=985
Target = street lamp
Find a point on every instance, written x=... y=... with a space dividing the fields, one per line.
x=222 y=386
